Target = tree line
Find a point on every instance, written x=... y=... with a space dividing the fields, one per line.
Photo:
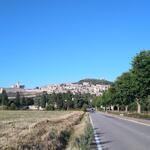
x=95 y=81
x=131 y=90
x=19 y=102
x=63 y=101
x=59 y=101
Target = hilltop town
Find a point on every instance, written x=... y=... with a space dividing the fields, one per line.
x=91 y=86
x=83 y=88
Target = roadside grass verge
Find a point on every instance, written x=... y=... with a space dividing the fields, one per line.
x=132 y=114
x=82 y=135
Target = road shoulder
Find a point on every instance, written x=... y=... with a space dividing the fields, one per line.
x=134 y=120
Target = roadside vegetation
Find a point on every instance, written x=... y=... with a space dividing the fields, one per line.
x=143 y=115
x=37 y=129
x=82 y=135
x=59 y=101
x=131 y=91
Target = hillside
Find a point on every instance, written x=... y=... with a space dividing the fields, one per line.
x=95 y=81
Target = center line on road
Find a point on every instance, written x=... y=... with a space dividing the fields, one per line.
x=97 y=138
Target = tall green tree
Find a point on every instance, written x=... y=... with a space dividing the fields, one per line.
x=68 y=100
x=4 y=98
x=124 y=89
x=51 y=102
x=0 y=99
x=23 y=101
x=17 y=99
x=59 y=101
x=37 y=100
x=44 y=99
x=141 y=72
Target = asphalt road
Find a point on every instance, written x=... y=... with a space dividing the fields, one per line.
x=117 y=134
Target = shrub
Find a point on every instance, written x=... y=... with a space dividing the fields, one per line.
x=82 y=135
x=132 y=107
x=84 y=107
x=50 y=107
x=83 y=142
x=12 y=106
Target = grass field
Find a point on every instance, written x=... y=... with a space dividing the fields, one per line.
x=35 y=129
x=34 y=115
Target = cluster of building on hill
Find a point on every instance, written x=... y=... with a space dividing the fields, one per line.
x=74 y=88
x=14 y=88
x=11 y=91
x=18 y=86
x=77 y=94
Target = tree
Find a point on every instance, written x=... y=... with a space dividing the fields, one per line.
x=44 y=100
x=84 y=107
x=59 y=101
x=95 y=101
x=148 y=103
x=4 y=98
x=141 y=73
x=108 y=98
x=23 y=101
x=78 y=101
x=51 y=101
x=17 y=99
x=37 y=101
x=68 y=100
x=0 y=99
x=132 y=86
x=105 y=100
x=124 y=89
x=95 y=81
x=29 y=101
x=12 y=106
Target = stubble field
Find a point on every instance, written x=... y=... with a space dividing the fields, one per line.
x=36 y=129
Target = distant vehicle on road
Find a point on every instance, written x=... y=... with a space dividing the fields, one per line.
x=91 y=109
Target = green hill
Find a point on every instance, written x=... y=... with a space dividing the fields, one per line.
x=95 y=81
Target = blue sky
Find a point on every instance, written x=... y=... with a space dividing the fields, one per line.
x=54 y=41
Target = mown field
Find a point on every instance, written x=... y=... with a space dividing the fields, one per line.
x=37 y=129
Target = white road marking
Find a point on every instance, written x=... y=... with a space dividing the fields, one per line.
x=134 y=121
x=97 y=138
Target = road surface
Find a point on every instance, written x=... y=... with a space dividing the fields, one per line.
x=117 y=134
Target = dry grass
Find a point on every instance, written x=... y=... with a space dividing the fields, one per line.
x=82 y=136
x=35 y=129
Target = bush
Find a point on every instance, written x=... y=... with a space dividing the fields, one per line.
x=146 y=104
x=82 y=135
x=83 y=142
x=12 y=106
x=4 y=107
x=64 y=137
x=132 y=107
x=137 y=115
x=50 y=107
x=58 y=140
x=84 y=107
x=53 y=138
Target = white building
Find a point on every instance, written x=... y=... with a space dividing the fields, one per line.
x=1 y=90
x=18 y=86
x=86 y=87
